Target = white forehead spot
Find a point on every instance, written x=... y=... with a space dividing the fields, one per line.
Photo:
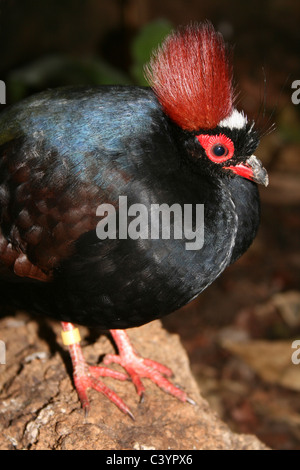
x=236 y=120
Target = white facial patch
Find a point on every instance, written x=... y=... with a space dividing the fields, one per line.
x=236 y=120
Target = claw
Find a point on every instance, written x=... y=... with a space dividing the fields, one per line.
x=189 y=400
x=86 y=377
x=131 y=415
x=138 y=368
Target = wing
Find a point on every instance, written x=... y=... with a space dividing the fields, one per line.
x=44 y=209
x=62 y=153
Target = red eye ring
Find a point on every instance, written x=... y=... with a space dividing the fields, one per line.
x=218 y=148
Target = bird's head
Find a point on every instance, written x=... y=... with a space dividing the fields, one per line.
x=192 y=78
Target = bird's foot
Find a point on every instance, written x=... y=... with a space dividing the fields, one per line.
x=138 y=367
x=86 y=376
x=89 y=379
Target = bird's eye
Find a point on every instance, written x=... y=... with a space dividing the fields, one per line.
x=218 y=148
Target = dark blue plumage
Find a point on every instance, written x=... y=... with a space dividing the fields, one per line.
x=73 y=138
x=64 y=152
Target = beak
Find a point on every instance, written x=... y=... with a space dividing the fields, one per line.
x=252 y=170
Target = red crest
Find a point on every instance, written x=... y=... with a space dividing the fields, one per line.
x=192 y=78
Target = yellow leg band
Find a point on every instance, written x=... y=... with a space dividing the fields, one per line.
x=70 y=337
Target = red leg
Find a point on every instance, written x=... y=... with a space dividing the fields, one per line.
x=86 y=376
x=137 y=367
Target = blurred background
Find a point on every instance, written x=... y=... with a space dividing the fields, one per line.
x=239 y=333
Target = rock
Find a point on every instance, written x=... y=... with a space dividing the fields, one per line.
x=39 y=407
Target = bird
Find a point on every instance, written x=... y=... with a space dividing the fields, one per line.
x=178 y=142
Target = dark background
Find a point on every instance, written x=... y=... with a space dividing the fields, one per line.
x=54 y=42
